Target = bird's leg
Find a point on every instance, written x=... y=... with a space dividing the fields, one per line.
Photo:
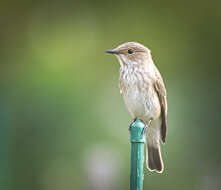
x=132 y=123
x=146 y=126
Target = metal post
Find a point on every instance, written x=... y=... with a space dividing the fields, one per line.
x=137 y=140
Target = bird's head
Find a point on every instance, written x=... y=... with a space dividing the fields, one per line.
x=131 y=53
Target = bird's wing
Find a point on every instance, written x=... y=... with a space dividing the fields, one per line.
x=161 y=91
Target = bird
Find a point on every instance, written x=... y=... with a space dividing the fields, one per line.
x=144 y=94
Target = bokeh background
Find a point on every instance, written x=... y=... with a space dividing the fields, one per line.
x=63 y=121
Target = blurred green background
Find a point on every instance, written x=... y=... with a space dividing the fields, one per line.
x=63 y=121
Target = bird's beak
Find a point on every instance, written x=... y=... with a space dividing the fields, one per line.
x=112 y=51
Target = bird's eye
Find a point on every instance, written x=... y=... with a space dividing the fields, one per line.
x=130 y=51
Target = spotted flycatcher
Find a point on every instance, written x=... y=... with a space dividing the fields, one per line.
x=144 y=94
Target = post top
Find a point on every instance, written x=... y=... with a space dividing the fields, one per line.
x=137 y=133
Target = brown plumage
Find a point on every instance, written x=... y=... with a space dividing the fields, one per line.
x=144 y=94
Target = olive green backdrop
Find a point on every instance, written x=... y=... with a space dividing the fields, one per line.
x=63 y=122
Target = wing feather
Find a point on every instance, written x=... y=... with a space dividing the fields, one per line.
x=161 y=91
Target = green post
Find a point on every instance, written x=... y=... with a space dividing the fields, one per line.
x=137 y=140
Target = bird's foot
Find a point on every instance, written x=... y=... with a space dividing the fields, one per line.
x=132 y=124
x=146 y=126
x=144 y=129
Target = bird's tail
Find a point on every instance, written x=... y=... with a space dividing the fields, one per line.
x=153 y=155
x=153 y=159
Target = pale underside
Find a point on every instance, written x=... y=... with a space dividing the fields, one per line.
x=142 y=103
x=141 y=99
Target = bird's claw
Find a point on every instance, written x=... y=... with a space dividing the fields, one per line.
x=144 y=129
x=146 y=126
x=131 y=124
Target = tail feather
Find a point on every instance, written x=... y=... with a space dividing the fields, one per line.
x=154 y=160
